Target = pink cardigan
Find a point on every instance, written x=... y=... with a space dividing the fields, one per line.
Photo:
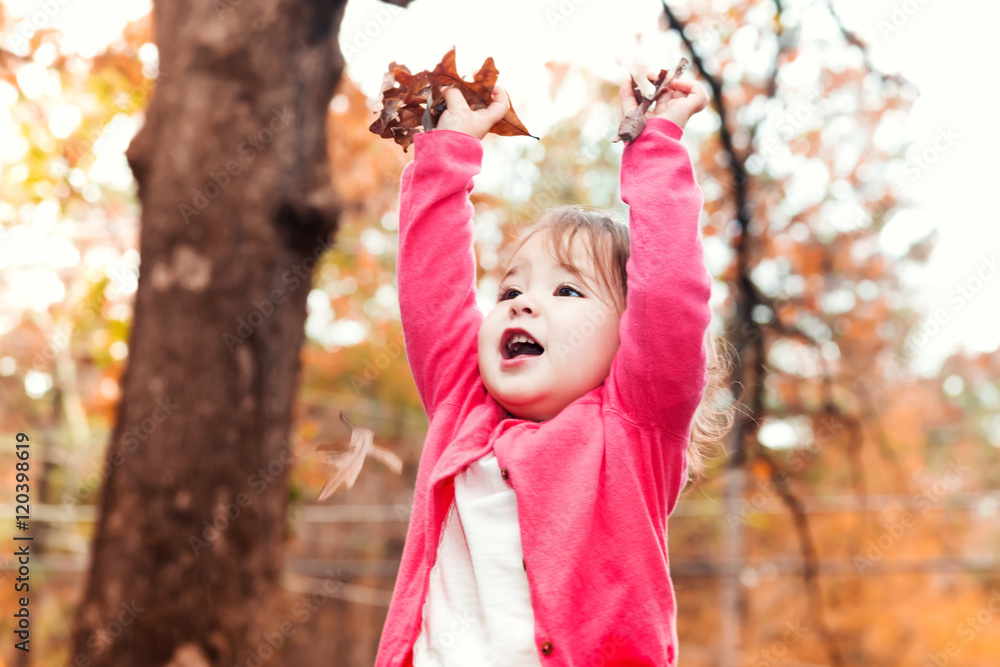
x=596 y=483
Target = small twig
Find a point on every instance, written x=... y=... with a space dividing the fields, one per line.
x=661 y=83
x=635 y=120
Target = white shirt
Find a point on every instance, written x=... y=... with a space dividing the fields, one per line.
x=478 y=608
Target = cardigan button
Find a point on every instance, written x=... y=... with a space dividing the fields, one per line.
x=504 y=473
x=524 y=565
x=547 y=648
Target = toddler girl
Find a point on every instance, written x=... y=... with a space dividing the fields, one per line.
x=563 y=424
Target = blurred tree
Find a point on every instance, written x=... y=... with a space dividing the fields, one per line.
x=801 y=179
x=237 y=208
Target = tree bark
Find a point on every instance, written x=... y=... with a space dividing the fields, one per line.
x=237 y=207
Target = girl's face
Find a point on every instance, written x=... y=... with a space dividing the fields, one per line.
x=575 y=327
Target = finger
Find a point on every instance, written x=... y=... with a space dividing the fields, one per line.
x=687 y=90
x=626 y=96
x=675 y=90
x=455 y=100
x=499 y=106
x=682 y=85
x=699 y=91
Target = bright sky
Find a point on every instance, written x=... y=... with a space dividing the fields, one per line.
x=947 y=49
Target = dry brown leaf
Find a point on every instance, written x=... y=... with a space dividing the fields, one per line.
x=412 y=103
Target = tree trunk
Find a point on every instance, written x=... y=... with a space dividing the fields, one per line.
x=237 y=206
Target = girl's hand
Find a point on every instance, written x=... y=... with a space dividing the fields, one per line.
x=677 y=102
x=460 y=118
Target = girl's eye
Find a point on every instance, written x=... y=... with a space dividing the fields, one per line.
x=505 y=294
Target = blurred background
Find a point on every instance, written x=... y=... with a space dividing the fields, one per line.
x=859 y=524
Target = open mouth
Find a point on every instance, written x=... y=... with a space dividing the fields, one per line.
x=517 y=343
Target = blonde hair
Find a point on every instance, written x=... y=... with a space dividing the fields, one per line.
x=608 y=246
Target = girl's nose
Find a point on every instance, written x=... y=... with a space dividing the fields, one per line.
x=522 y=303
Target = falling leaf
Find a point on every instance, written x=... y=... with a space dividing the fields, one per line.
x=412 y=103
x=348 y=463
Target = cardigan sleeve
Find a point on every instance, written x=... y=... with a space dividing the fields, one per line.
x=436 y=265
x=659 y=373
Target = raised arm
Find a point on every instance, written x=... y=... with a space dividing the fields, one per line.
x=436 y=265
x=659 y=373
